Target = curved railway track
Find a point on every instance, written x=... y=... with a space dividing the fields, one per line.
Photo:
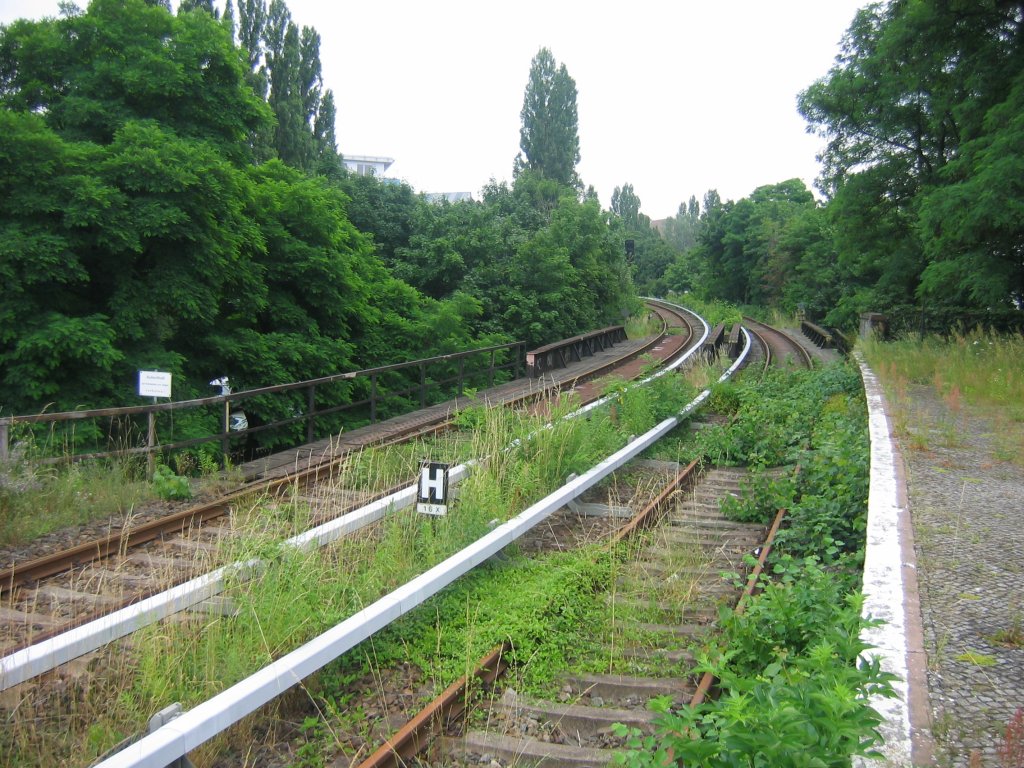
x=775 y=347
x=49 y=595
x=196 y=725
x=692 y=522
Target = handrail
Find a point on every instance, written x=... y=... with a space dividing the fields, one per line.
x=820 y=336
x=310 y=416
x=560 y=353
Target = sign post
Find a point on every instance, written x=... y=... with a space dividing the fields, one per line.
x=432 y=498
x=153 y=384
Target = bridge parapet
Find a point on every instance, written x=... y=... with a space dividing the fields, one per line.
x=560 y=353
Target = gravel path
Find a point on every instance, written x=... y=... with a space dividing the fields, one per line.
x=967 y=503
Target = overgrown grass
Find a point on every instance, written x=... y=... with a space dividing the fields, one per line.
x=298 y=594
x=986 y=368
x=644 y=324
x=983 y=370
x=36 y=499
x=793 y=692
x=713 y=312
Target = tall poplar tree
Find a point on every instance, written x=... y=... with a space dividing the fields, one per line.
x=549 y=137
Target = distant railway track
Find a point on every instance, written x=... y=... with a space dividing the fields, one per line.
x=49 y=595
x=777 y=347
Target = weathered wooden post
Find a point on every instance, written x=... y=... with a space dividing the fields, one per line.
x=225 y=442
x=373 y=398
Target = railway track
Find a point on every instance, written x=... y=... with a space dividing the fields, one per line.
x=212 y=716
x=709 y=534
x=671 y=589
x=775 y=347
x=548 y=725
x=46 y=597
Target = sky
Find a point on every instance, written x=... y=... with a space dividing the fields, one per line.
x=674 y=97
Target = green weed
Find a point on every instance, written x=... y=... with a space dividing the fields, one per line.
x=168 y=485
x=980 y=369
x=977 y=659
x=37 y=498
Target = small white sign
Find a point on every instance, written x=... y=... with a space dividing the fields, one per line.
x=154 y=384
x=432 y=498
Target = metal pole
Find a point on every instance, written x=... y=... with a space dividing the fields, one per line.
x=311 y=407
x=373 y=398
x=5 y=446
x=462 y=372
x=151 y=443
x=423 y=385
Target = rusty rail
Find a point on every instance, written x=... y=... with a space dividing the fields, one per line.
x=650 y=514
x=411 y=738
x=708 y=680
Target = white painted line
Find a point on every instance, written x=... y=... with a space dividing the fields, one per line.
x=883 y=579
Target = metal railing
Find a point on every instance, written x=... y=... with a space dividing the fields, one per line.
x=561 y=353
x=822 y=337
x=369 y=378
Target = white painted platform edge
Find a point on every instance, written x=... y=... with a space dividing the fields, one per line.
x=883 y=579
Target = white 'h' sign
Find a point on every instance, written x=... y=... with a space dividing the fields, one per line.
x=432 y=498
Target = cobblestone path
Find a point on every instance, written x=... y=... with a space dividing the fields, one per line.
x=967 y=503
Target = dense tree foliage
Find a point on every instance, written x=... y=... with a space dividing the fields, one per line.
x=549 y=137
x=921 y=171
x=284 y=68
x=774 y=247
x=171 y=198
x=924 y=140
x=136 y=232
x=540 y=263
x=650 y=254
x=681 y=230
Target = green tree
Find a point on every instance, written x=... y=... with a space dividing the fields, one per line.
x=549 y=137
x=285 y=69
x=971 y=225
x=203 y=5
x=682 y=230
x=135 y=234
x=129 y=60
x=742 y=244
x=652 y=254
x=909 y=93
x=626 y=205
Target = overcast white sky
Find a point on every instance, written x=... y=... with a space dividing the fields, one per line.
x=674 y=98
